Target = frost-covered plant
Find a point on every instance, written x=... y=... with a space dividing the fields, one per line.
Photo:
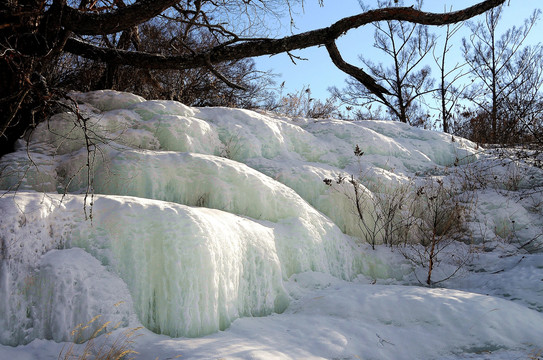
x=202 y=200
x=515 y=169
x=302 y=104
x=371 y=220
x=377 y=206
x=472 y=178
x=427 y=223
x=77 y=135
x=391 y=202
x=436 y=223
x=506 y=231
x=231 y=147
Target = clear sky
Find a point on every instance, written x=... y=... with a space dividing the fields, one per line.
x=319 y=73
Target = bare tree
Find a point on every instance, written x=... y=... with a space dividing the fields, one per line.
x=35 y=34
x=523 y=100
x=405 y=80
x=436 y=225
x=498 y=66
x=376 y=206
x=448 y=93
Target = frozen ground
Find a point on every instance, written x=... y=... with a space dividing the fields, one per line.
x=213 y=229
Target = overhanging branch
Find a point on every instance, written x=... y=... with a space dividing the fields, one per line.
x=356 y=72
x=89 y=23
x=253 y=48
x=223 y=78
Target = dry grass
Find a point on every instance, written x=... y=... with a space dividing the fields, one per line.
x=536 y=354
x=102 y=344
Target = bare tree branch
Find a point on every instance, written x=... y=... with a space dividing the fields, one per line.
x=90 y=23
x=253 y=48
x=356 y=72
x=223 y=78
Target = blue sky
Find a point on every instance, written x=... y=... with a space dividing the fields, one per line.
x=319 y=73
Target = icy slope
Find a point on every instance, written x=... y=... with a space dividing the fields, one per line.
x=298 y=154
x=218 y=219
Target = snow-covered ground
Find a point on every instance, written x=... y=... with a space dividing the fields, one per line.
x=212 y=228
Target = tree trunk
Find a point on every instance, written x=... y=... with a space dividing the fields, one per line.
x=431 y=259
x=21 y=42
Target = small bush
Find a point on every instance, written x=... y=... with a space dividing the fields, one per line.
x=437 y=220
x=423 y=222
x=377 y=206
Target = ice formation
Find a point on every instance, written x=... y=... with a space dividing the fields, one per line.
x=189 y=270
x=202 y=216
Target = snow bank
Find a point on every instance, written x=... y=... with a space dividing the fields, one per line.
x=338 y=320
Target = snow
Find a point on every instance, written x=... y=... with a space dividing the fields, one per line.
x=213 y=229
